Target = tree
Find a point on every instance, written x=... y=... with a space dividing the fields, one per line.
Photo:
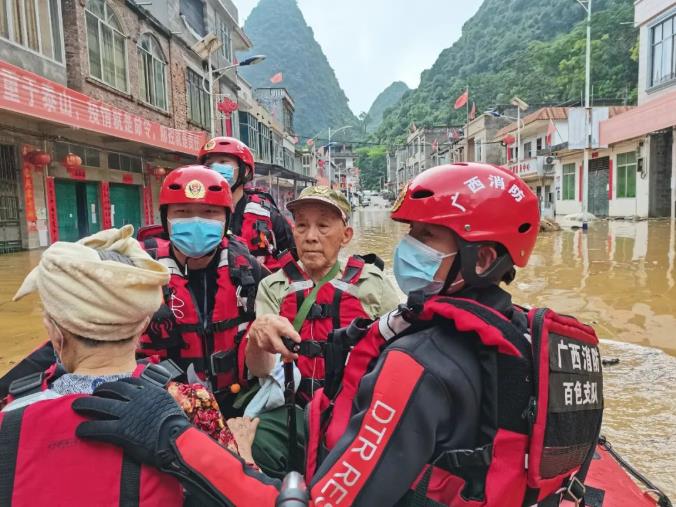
x=372 y=167
x=364 y=119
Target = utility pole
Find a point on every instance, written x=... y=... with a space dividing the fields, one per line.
x=587 y=117
x=330 y=180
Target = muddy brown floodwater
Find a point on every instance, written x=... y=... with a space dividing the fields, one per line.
x=619 y=277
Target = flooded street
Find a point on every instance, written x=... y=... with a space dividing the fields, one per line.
x=619 y=277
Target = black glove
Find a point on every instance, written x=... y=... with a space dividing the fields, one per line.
x=140 y=417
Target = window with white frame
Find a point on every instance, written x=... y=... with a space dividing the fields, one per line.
x=477 y=151
x=265 y=143
x=34 y=25
x=568 y=191
x=528 y=150
x=106 y=44
x=626 y=174
x=198 y=100
x=663 y=51
x=152 y=70
x=223 y=34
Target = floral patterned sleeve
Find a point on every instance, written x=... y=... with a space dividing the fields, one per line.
x=201 y=407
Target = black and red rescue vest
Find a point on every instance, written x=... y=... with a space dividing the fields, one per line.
x=178 y=332
x=44 y=463
x=256 y=229
x=336 y=305
x=544 y=389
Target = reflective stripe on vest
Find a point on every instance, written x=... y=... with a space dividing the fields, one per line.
x=513 y=387
x=38 y=446
x=257 y=231
x=178 y=332
x=337 y=305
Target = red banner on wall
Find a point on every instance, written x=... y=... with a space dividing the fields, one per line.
x=106 y=219
x=30 y=94
x=28 y=194
x=148 y=205
x=51 y=210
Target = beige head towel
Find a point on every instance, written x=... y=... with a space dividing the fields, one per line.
x=92 y=295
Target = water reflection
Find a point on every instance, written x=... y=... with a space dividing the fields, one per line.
x=618 y=276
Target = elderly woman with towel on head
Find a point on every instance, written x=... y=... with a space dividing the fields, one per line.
x=98 y=295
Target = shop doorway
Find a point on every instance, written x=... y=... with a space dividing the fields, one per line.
x=10 y=226
x=125 y=205
x=598 y=186
x=77 y=208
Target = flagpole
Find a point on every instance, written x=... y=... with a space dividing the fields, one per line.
x=467 y=126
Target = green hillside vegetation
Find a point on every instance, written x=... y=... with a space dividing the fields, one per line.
x=522 y=47
x=279 y=31
x=372 y=166
x=385 y=100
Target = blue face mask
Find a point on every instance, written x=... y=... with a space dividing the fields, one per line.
x=195 y=237
x=225 y=170
x=415 y=265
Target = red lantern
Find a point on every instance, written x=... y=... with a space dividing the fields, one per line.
x=72 y=160
x=38 y=158
x=227 y=106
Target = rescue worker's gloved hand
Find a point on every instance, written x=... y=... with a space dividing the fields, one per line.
x=140 y=417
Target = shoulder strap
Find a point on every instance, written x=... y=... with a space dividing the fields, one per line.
x=10 y=431
x=240 y=264
x=263 y=196
x=290 y=267
x=375 y=260
x=130 y=482
x=353 y=269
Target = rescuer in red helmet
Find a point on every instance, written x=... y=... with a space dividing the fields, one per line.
x=256 y=218
x=208 y=303
x=456 y=398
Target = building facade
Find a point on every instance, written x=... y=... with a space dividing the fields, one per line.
x=651 y=126
x=99 y=99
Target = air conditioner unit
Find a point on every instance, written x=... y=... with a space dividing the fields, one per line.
x=549 y=160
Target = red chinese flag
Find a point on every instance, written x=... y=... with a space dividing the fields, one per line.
x=551 y=128
x=472 y=113
x=462 y=100
x=277 y=78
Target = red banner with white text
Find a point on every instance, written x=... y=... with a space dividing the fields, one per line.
x=29 y=94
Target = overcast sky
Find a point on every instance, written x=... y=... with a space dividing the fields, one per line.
x=371 y=43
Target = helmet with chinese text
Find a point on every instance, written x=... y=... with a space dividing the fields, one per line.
x=481 y=204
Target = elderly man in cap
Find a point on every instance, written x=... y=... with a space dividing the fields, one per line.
x=306 y=299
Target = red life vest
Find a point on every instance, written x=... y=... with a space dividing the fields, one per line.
x=256 y=229
x=546 y=429
x=44 y=463
x=335 y=306
x=177 y=331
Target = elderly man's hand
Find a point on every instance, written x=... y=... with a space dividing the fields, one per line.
x=266 y=334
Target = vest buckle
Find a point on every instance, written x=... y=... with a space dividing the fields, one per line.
x=26 y=385
x=574 y=491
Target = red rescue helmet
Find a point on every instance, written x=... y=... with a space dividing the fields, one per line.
x=480 y=203
x=233 y=147
x=195 y=184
